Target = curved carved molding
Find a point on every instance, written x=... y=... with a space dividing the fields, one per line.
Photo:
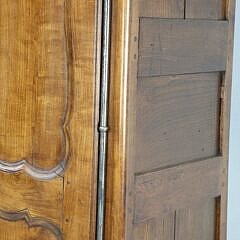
x=32 y=171
x=32 y=221
x=24 y=165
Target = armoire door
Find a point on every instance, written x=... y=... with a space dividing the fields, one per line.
x=171 y=82
x=48 y=118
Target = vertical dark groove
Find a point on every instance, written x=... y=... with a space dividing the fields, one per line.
x=221 y=112
x=217 y=218
x=175 y=224
x=103 y=117
x=69 y=56
x=185 y=10
x=225 y=9
x=69 y=71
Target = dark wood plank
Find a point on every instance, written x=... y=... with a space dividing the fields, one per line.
x=161 y=8
x=175 y=188
x=181 y=46
x=177 y=119
x=206 y=9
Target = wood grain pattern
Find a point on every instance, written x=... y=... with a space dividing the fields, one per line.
x=199 y=212
x=49 y=108
x=160 y=228
x=206 y=9
x=226 y=106
x=197 y=222
x=20 y=231
x=42 y=199
x=115 y=196
x=181 y=46
x=34 y=83
x=32 y=222
x=177 y=116
x=161 y=8
x=80 y=178
x=176 y=187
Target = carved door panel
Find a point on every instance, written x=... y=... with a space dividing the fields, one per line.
x=48 y=139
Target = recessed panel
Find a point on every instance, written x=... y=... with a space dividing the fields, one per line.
x=33 y=82
x=206 y=9
x=177 y=120
x=159 y=228
x=195 y=222
x=181 y=46
x=163 y=191
x=161 y=8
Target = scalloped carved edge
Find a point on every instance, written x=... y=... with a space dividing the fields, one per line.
x=32 y=221
x=32 y=171
x=24 y=165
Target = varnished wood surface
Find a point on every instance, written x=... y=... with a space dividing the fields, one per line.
x=9 y=231
x=116 y=179
x=80 y=178
x=32 y=222
x=34 y=82
x=42 y=199
x=49 y=108
x=51 y=105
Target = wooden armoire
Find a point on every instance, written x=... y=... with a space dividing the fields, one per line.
x=114 y=119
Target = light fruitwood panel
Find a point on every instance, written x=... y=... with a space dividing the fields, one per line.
x=206 y=9
x=21 y=197
x=34 y=82
x=80 y=181
x=177 y=187
x=42 y=199
x=160 y=8
x=177 y=119
x=57 y=75
x=10 y=231
x=181 y=46
x=34 y=102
